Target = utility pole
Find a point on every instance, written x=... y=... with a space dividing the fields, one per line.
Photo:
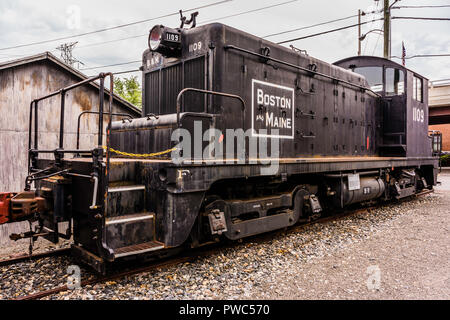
x=359 y=32
x=66 y=54
x=387 y=30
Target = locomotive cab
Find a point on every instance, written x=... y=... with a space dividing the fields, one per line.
x=404 y=104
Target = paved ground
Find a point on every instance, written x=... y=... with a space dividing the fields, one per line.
x=412 y=258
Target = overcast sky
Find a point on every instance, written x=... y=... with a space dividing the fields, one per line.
x=27 y=21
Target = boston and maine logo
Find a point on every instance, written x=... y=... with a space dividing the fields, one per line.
x=272 y=109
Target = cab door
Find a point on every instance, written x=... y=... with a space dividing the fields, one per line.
x=394 y=112
x=417 y=117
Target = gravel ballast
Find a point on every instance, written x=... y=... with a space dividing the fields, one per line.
x=398 y=251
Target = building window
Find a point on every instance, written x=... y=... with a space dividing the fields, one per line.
x=395 y=82
x=417 y=89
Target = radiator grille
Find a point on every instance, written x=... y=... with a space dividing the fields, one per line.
x=163 y=86
x=170 y=87
x=152 y=92
x=194 y=77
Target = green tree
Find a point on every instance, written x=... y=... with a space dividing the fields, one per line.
x=129 y=89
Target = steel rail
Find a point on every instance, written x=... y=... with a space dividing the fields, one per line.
x=25 y=257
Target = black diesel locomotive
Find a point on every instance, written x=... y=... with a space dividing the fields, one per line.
x=337 y=134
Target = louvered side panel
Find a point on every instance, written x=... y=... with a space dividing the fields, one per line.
x=194 y=77
x=152 y=92
x=171 y=87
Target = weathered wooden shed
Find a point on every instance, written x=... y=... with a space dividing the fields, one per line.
x=26 y=79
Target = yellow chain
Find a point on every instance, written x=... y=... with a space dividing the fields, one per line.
x=136 y=155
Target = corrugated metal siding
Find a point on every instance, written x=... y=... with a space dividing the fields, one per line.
x=163 y=86
x=152 y=92
x=172 y=83
x=194 y=77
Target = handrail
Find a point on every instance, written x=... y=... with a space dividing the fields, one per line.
x=101 y=243
x=61 y=92
x=95 y=112
x=60 y=151
x=100 y=174
x=97 y=153
x=182 y=92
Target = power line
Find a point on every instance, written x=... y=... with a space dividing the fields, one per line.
x=378 y=38
x=376 y=44
x=114 y=27
x=111 y=41
x=413 y=7
x=371 y=25
x=355 y=25
x=145 y=35
x=422 y=18
x=313 y=35
x=315 y=25
x=216 y=19
x=424 y=56
x=250 y=11
x=112 y=65
x=137 y=36
x=279 y=33
x=325 y=32
x=120 y=72
x=308 y=27
x=11 y=55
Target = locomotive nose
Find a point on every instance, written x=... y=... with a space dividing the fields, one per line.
x=164 y=40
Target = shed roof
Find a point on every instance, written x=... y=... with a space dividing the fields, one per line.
x=47 y=56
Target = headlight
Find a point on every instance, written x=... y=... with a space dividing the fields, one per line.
x=165 y=40
x=154 y=39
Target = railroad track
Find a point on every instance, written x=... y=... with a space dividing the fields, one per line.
x=197 y=253
x=33 y=257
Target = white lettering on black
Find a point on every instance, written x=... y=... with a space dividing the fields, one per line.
x=197 y=46
x=418 y=115
x=268 y=100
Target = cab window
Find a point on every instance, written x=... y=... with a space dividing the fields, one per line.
x=395 y=82
x=417 y=89
x=373 y=75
